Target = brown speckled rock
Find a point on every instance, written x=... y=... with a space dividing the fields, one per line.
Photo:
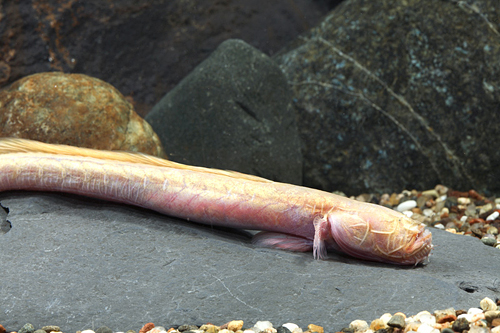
x=74 y=109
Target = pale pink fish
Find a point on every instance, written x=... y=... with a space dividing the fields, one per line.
x=292 y=217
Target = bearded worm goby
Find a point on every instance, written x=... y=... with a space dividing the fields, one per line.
x=292 y=217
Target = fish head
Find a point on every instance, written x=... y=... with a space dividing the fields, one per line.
x=380 y=234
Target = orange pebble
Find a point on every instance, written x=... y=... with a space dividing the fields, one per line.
x=315 y=328
x=2 y=329
x=474 y=195
x=476 y=220
x=147 y=327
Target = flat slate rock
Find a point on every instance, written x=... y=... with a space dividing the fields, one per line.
x=82 y=263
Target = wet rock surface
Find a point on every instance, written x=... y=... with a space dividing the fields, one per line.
x=394 y=95
x=83 y=263
x=74 y=109
x=232 y=112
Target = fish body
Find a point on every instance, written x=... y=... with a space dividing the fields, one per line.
x=292 y=217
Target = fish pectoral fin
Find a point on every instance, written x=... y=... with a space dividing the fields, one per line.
x=321 y=237
x=278 y=240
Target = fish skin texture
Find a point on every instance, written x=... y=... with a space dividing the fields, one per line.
x=292 y=217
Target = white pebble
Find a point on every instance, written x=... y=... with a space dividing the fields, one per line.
x=428 y=319
x=408 y=213
x=428 y=212
x=424 y=328
x=442 y=198
x=463 y=219
x=473 y=311
x=487 y=304
x=421 y=313
x=263 y=325
x=294 y=328
x=463 y=201
x=359 y=326
x=495 y=329
x=470 y=313
x=386 y=317
x=439 y=226
x=492 y=216
x=407 y=205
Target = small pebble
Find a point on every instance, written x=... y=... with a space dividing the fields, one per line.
x=431 y=193
x=292 y=327
x=492 y=230
x=146 y=328
x=263 y=325
x=424 y=328
x=377 y=324
x=359 y=326
x=103 y=329
x=398 y=321
x=51 y=328
x=315 y=328
x=490 y=241
x=493 y=216
x=386 y=317
x=427 y=318
x=27 y=328
x=463 y=201
x=157 y=329
x=406 y=205
x=460 y=325
x=487 y=304
x=491 y=315
x=447 y=315
x=235 y=325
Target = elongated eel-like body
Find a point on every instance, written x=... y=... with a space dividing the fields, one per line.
x=298 y=218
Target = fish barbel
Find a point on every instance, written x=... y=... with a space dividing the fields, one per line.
x=291 y=217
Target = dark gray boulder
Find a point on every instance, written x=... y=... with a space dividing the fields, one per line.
x=81 y=263
x=232 y=112
x=399 y=94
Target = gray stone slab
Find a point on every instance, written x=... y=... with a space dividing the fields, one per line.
x=83 y=263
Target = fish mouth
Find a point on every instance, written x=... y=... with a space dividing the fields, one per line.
x=420 y=249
